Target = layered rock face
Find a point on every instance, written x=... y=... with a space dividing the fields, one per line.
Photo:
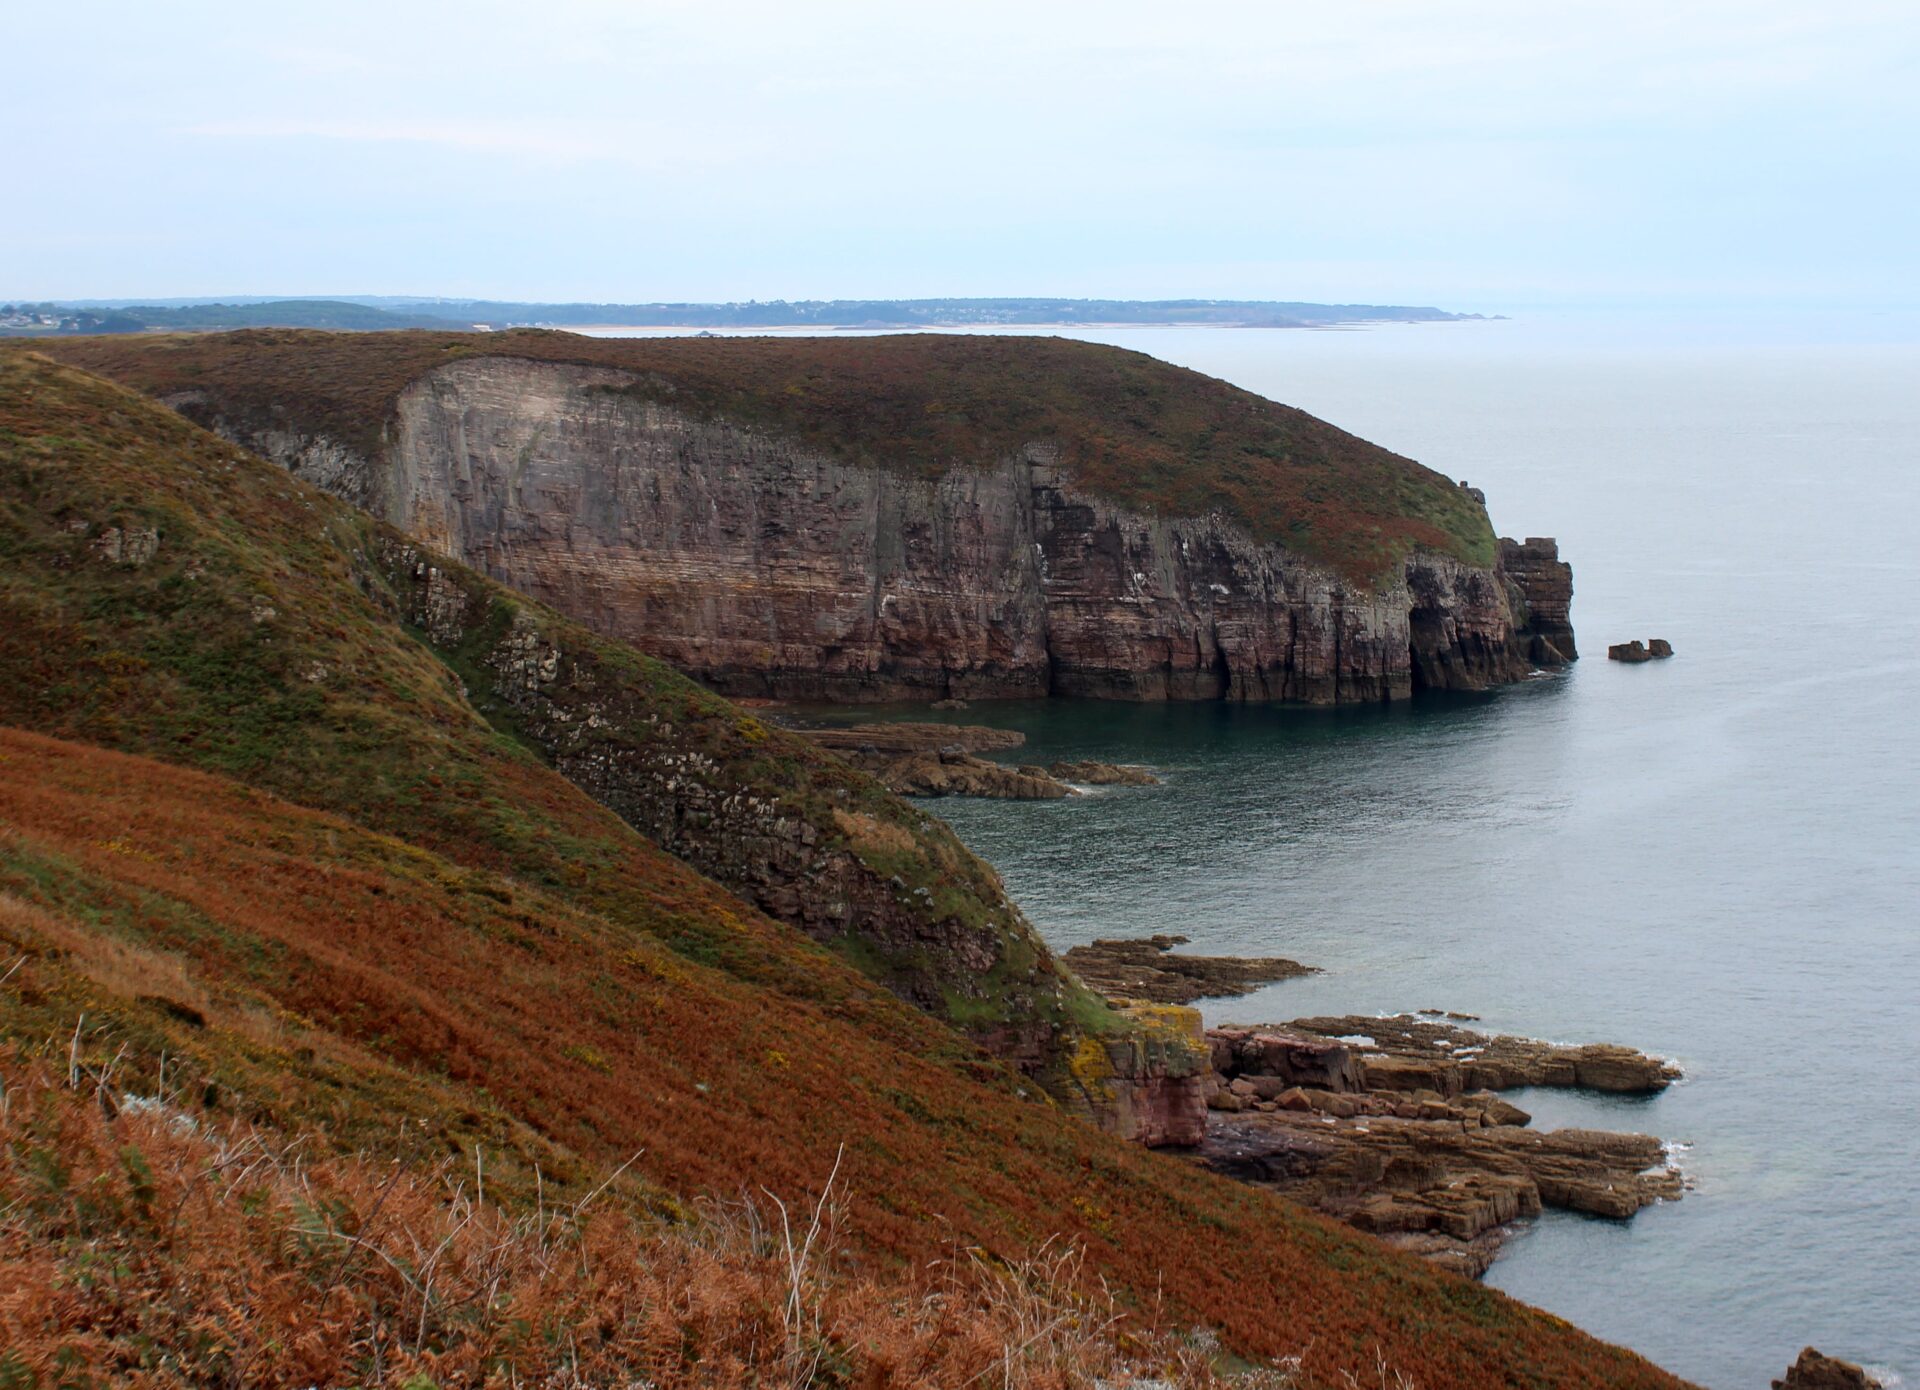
x=1393 y=1126
x=765 y=568
x=1544 y=583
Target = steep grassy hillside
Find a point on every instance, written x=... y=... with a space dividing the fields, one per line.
x=365 y=918
x=168 y=593
x=241 y=1256
x=300 y=973
x=1130 y=428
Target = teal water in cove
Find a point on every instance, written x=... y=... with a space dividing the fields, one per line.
x=1716 y=858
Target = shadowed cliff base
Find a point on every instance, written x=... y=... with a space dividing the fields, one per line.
x=911 y=517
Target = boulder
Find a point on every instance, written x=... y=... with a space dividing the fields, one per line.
x=1813 y=1371
x=1495 y=1111
x=1297 y=1059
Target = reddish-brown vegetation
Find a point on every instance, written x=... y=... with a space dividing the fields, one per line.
x=574 y=1043
x=147 y=1246
x=437 y=944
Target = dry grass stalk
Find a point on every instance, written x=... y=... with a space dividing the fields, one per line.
x=141 y=1246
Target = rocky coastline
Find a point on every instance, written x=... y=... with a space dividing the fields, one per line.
x=1394 y=1125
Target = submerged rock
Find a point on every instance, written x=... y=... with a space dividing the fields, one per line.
x=1095 y=774
x=1150 y=970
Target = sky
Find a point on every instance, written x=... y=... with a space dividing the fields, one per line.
x=1475 y=154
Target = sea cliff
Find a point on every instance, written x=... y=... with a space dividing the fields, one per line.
x=1109 y=544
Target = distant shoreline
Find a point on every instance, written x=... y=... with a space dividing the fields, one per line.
x=816 y=329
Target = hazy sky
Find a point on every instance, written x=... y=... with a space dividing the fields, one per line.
x=1480 y=154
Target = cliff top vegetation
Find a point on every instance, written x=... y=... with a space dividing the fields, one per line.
x=1129 y=428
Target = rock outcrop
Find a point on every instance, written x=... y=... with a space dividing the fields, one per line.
x=901 y=738
x=1089 y=773
x=938 y=760
x=767 y=566
x=1152 y=970
x=953 y=773
x=1410 y=1053
x=1393 y=1126
x=1543 y=583
x=1149 y=1080
x=1813 y=1371
x=794 y=831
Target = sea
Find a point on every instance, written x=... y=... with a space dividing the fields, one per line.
x=1715 y=857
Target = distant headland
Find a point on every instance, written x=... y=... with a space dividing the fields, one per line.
x=374 y=312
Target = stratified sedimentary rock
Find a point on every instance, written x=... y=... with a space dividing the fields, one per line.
x=1409 y=1052
x=773 y=554
x=1544 y=583
x=1393 y=1125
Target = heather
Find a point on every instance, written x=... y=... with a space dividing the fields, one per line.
x=1127 y=427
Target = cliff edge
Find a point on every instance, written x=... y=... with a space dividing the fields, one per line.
x=898 y=517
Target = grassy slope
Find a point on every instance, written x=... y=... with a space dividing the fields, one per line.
x=471 y=946
x=1133 y=429
x=351 y=983
x=328 y=699
x=238 y=1255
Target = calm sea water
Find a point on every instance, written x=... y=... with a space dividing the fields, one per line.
x=1713 y=857
x=1716 y=858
